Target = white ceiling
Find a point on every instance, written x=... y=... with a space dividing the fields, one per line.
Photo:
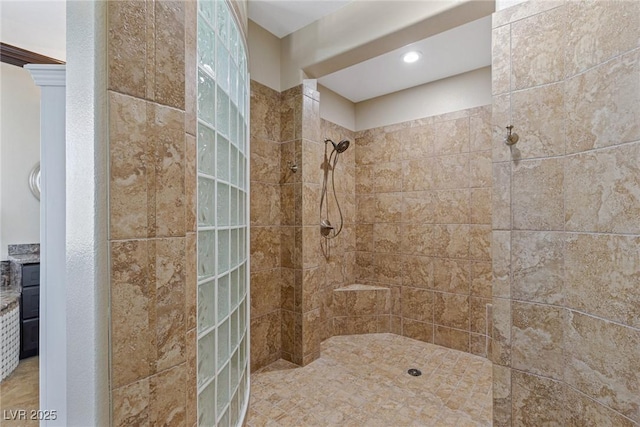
x=461 y=49
x=283 y=17
x=456 y=51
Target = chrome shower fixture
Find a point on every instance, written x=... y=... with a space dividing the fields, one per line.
x=340 y=147
x=512 y=137
x=327 y=230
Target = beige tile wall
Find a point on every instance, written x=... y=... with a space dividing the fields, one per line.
x=266 y=221
x=566 y=294
x=423 y=225
x=339 y=254
x=294 y=151
x=361 y=309
x=293 y=270
x=444 y=275
x=312 y=267
x=152 y=219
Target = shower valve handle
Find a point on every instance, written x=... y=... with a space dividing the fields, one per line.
x=325 y=227
x=326 y=224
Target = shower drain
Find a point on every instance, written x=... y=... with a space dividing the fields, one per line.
x=414 y=372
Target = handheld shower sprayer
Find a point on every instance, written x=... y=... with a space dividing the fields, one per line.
x=326 y=228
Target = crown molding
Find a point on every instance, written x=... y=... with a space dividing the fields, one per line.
x=48 y=74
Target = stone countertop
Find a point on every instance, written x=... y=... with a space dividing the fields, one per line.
x=25 y=258
x=9 y=298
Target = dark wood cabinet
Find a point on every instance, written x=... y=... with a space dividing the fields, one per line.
x=30 y=310
x=30 y=338
x=31 y=302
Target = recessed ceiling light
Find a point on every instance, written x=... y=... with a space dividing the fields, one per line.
x=412 y=56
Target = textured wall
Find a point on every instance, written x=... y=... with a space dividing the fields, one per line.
x=152 y=220
x=440 y=284
x=566 y=340
x=292 y=273
x=302 y=272
x=266 y=221
x=339 y=254
x=423 y=191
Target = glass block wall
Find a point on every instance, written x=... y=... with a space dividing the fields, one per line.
x=223 y=90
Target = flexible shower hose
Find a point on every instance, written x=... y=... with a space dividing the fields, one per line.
x=324 y=193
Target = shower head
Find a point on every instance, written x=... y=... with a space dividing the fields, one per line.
x=341 y=146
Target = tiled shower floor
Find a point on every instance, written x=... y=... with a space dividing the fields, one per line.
x=362 y=380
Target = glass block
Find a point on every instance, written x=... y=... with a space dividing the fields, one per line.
x=222 y=112
x=206 y=98
x=233 y=409
x=222 y=22
x=223 y=251
x=241 y=208
x=233 y=84
x=206 y=358
x=222 y=67
x=206 y=202
x=233 y=285
x=236 y=369
x=234 y=329
x=245 y=103
x=241 y=58
x=206 y=48
x=242 y=391
x=222 y=205
x=233 y=41
x=239 y=124
x=243 y=137
x=241 y=141
x=241 y=172
x=223 y=104
x=242 y=319
x=241 y=93
x=223 y=388
x=242 y=280
x=224 y=420
x=223 y=346
x=233 y=125
x=243 y=133
x=206 y=254
x=233 y=208
x=207 y=406
x=243 y=351
x=233 y=165
x=207 y=9
x=206 y=149
x=223 y=297
x=222 y=158
x=206 y=305
x=242 y=245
